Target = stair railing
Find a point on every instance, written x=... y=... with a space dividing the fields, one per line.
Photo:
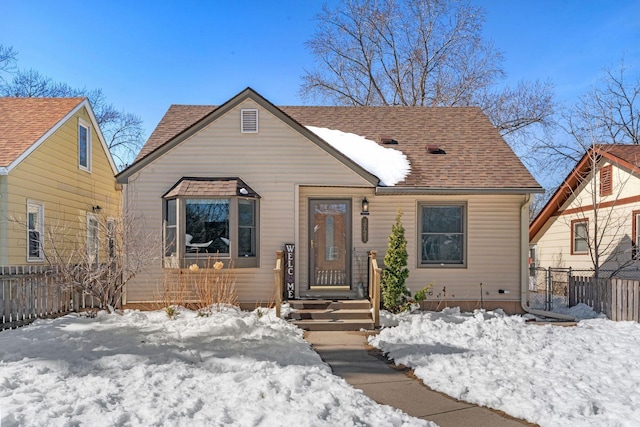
x=279 y=282
x=375 y=274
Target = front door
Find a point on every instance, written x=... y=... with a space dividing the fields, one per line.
x=330 y=243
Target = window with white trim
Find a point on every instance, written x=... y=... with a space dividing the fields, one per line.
x=35 y=231
x=93 y=238
x=442 y=230
x=112 y=230
x=579 y=236
x=84 y=145
x=635 y=223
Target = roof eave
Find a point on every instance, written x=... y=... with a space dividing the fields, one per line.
x=451 y=190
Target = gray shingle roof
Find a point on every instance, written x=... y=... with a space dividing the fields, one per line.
x=477 y=157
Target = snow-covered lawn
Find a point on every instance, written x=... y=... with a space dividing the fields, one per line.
x=587 y=375
x=141 y=369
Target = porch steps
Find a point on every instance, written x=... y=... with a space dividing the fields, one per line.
x=331 y=315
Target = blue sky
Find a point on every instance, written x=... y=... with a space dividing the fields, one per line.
x=148 y=55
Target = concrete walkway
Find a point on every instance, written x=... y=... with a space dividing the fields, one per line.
x=351 y=357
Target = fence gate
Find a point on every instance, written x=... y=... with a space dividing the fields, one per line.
x=549 y=288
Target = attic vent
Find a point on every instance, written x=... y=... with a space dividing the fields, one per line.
x=249 y=120
x=386 y=139
x=434 y=149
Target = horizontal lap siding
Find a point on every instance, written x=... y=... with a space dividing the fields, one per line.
x=272 y=162
x=493 y=239
x=554 y=242
x=50 y=175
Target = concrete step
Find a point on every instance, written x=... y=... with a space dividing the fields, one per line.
x=334 y=325
x=330 y=304
x=321 y=314
x=331 y=315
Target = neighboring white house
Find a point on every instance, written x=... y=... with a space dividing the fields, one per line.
x=594 y=217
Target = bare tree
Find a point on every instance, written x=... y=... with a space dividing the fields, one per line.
x=610 y=110
x=417 y=53
x=123 y=131
x=99 y=268
x=8 y=58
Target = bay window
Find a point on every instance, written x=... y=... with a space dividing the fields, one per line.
x=211 y=217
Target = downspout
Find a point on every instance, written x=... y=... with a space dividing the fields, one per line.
x=524 y=265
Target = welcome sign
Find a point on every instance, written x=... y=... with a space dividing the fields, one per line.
x=290 y=270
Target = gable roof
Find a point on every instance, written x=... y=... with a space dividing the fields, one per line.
x=625 y=156
x=477 y=157
x=25 y=123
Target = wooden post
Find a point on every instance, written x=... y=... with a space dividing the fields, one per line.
x=374 y=287
x=278 y=278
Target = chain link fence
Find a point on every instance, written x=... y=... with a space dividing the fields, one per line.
x=549 y=287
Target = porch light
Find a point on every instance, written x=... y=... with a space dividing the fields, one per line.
x=96 y=209
x=365 y=207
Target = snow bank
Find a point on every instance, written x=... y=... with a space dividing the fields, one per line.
x=140 y=368
x=586 y=375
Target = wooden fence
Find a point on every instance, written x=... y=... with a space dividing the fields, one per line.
x=31 y=292
x=619 y=299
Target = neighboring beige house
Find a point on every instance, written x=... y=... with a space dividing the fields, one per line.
x=599 y=203
x=57 y=179
x=241 y=180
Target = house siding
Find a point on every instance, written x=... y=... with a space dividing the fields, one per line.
x=4 y=221
x=274 y=162
x=553 y=241
x=493 y=241
x=50 y=175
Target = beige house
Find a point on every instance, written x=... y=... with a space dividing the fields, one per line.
x=595 y=213
x=244 y=179
x=57 y=179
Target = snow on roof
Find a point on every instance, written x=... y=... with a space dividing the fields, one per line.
x=389 y=165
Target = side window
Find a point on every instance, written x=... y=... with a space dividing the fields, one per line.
x=170 y=227
x=442 y=235
x=635 y=233
x=247 y=243
x=112 y=235
x=579 y=236
x=93 y=239
x=84 y=145
x=35 y=231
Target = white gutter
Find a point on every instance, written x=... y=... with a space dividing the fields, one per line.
x=4 y=171
x=524 y=265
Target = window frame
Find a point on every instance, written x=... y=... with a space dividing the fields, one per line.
x=111 y=238
x=83 y=124
x=39 y=207
x=635 y=244
x=183 y=258
x=463 y=263
x=574 y=223
x=93 y=247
